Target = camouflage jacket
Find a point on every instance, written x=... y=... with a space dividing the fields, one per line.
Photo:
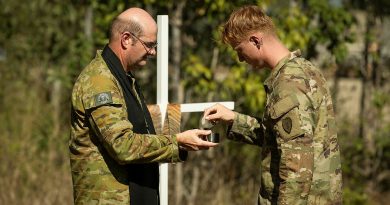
x=300 y=152
x=102 y=142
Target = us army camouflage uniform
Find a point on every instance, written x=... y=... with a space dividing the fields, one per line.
x=300 y=152
x=102 y=141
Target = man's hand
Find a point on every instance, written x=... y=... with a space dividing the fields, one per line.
x=219 y=112
x=194 y=140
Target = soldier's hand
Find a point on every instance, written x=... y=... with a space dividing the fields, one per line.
x=194 y=140
x=219 y=112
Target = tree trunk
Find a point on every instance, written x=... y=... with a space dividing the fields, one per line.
x=88 y=25
x=176 y=87
x=88 y=22
x=370 y=120
x=194 y=188
x=176 y=22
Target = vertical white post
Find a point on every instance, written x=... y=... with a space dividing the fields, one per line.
x=162 y=93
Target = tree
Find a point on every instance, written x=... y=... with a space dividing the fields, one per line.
x=51 y=41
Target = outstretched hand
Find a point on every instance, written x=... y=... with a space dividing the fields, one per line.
x=194 y=140
x=219 y=112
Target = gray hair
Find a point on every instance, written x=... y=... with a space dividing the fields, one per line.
x=120 y=25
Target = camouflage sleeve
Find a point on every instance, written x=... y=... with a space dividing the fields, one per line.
x=294 y=136
x=246 y=129
x=108 y=119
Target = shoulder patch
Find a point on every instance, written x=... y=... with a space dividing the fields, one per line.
x=103 y=98
x=287 y=124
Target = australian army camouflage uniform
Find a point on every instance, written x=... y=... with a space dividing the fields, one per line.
x=105 y=148
x=300 y=151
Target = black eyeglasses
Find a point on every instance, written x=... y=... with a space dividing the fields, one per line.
x=149 y=46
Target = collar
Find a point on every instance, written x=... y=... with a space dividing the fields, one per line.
x=109 y=55
x=269 y=81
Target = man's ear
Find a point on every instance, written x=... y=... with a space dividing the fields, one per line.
x=256 y=41
x=126 y=39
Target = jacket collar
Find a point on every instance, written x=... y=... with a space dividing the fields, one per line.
x=268 y=83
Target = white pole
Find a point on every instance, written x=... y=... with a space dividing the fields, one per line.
x=162 y=93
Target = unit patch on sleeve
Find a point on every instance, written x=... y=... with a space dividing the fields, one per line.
x=287 y=124
x=103 y=98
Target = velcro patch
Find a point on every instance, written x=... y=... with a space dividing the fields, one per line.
x=103 y=98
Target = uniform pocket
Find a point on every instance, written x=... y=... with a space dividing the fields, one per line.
x=285 y=114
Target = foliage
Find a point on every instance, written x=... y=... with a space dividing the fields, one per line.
x=308 y=24
x=48 y=42
x=361 y=167
x=354 y=197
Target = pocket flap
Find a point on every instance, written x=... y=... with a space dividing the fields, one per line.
x=283 y=106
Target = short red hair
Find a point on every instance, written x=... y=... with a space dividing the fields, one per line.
x=245 y=21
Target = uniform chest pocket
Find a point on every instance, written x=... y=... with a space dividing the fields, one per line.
x=286 y=120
